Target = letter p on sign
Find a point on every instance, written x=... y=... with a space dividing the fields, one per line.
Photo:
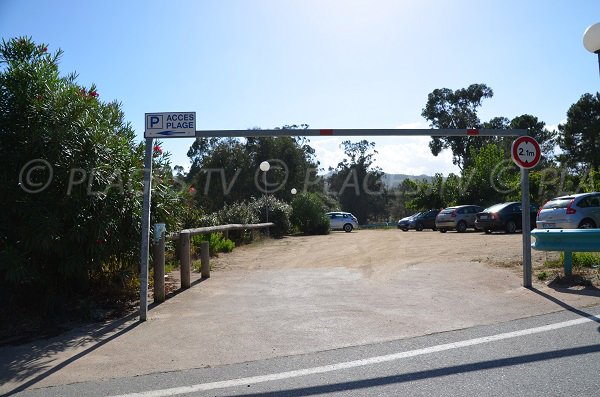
x=155 y=121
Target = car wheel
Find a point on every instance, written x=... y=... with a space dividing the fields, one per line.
x=434 y=229
x=405 y=230
x=488 y=231
x=510 y=227
x=419 y=227
x=587 y=224
x=442 y=230
x=461 y=227
x=347 y=228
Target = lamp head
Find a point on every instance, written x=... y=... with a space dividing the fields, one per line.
x=265 y=166
x=591 y=38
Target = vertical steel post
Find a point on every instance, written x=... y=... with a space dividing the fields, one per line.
x=159 y=269
x=526 y=227
x=145 y=231
x=185 y=266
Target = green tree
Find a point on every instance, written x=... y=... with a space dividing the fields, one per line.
x=457 y=110
x=358 y=185
x=579 y=137
x=308 y=214
x=225 y=171
x=80 y=231
x=489 y=179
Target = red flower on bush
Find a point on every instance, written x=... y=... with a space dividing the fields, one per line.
x=192 y=190
x=45 y=49
x=157 y=150
x=94 y=94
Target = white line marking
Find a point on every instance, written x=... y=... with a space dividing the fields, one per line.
x=356 y=363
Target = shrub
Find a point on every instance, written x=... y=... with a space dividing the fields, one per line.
x=216 y=242
x=241 y=212
x=278 y=213
x=308 y=214
x=82 y=230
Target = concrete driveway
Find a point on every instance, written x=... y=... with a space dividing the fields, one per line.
x=298 y=295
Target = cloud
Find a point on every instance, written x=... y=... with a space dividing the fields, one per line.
x=396 y=154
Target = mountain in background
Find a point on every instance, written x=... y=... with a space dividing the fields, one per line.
x=393 y=180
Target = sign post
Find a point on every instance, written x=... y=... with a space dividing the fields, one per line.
x=158 y=125
x=145 y=247
x=526 y=153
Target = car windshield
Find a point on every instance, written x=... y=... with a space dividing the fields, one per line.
x=562 y=202
x=495 y=208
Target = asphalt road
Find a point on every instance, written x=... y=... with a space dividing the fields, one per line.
x=552 y=354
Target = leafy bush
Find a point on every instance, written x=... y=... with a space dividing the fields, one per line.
x=277 y=212
x=217 y=243
x=82 y=229
x=241 y=212
x=308 y=214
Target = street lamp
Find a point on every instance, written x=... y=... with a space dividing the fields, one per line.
x=264 y=167
x=294 y=191
x=591 y=40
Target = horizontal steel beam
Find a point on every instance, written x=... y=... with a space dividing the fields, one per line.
x=360 y=132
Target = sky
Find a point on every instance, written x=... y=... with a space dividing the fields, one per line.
x=328 y=63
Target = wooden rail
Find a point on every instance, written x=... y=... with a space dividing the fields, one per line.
x=185 y=259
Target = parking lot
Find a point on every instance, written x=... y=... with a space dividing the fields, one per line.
x=296 y=295
x=380 y=252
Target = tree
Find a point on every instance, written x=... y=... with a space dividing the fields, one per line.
x=489 y=178
x=225 y=171
x=456 y=109
x=357 y=185
x=72 y=222
x=579 y=137
x=308 y=214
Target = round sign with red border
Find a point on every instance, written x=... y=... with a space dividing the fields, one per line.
x=526 y=152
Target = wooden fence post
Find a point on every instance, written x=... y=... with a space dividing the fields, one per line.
x=185 y=259
x=159 y=270
x=205 y=259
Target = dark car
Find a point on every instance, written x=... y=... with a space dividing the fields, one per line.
x=404 y=223
x=425 y=220
x=505 y=216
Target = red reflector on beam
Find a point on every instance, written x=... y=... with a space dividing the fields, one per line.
x=473 y=132
x=326 y=132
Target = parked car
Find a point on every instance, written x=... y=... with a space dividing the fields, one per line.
x=404 y=223
x=571 y=212
x=504 y=216
x=342 y=221
x=424 y=220
x=460 y=217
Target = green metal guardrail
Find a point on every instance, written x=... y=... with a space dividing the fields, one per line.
x=568 y=241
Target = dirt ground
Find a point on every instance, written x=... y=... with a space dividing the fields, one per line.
x=380 y=253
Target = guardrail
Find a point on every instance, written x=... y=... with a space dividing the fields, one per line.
x=568 y=241
x=185 y=259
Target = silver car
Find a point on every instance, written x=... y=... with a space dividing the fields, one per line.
x=342 y=221
x=570 y=212
x=460 y=218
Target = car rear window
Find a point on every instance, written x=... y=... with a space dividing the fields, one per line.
x=562 y=202
x=495 y=208
x=447 y=211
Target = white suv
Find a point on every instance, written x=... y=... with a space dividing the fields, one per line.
x=342 y=221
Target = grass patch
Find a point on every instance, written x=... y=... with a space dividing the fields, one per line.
x=580 y=259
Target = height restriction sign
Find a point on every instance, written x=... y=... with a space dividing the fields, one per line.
x=526 y=152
